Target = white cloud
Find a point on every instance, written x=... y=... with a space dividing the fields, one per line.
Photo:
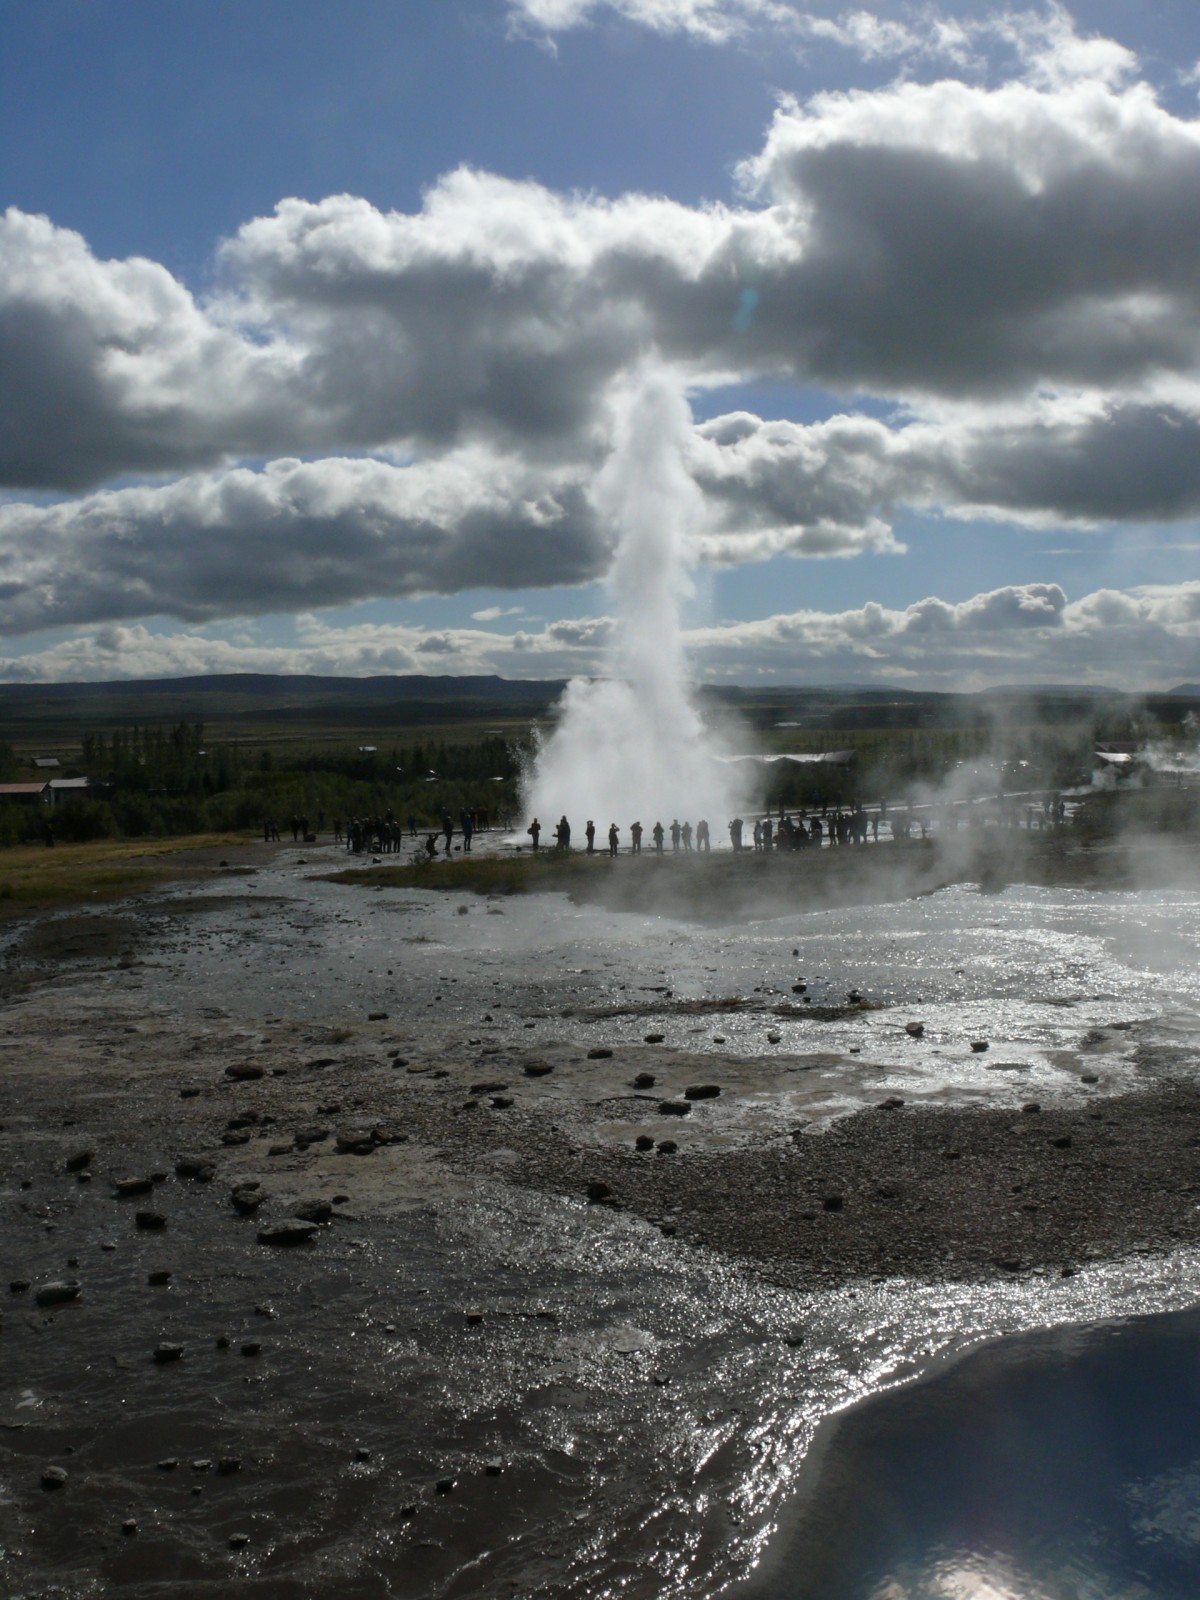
x=1020 y=633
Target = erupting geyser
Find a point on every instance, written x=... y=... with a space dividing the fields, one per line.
x=633 y=745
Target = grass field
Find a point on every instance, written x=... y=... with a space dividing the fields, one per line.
x=33 y=877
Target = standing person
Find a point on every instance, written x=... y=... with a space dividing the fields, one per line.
x=676 y=830
x=735 y=833
x=702 y=835
x=686 y=834
x=635 y=833
x=612 y=838
x=657 y=835
x=412 y=825
x=448 y=829
x=563 y=834
x=467 y=822
x=534 y=830
x=589 y=834
x=768 y=833
x=757 y=834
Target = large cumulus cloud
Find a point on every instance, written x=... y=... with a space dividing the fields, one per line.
x=293 y=536
x=1009 y=267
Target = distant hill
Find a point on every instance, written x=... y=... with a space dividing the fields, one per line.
x=255 y=694
x=30 y=712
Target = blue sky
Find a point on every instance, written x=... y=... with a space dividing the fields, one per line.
x=360 y=435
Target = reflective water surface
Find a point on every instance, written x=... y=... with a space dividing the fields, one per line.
x=1052 y=1466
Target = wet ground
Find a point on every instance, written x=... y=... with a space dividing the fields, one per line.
x=524 y=1357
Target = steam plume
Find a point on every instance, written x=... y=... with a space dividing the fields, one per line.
x=633 y=745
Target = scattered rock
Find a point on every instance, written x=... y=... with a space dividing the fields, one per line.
x=247 y=1197
x=494 y=1466
x=445 y=1485
x=702 y=1091
x=150 y=1221
x=197 y=1167
x=164 y=1353
x=537 y=1069
x=718 y=1038
x=655 y=1038
x=189 y=1092
x=18 y=1285
x=291 y=1230
x=599 y=1053
x=235 y=1136
x=1031 y=1106
x=915 y=1030
x=979 y=1046
x=228 y=1465
x=356 y=1141
x=1089 y=1077
x=488 y=1088
x=892 y=1103
x=643 y=1142
x=59 y=1292
x=644 y=1080
x=667 y=1147
x=598 y=1191
x=244 y=1071
x=501 y=1102
x=127 y=1187
x=158 y=1278
x=831 y=1202
x=773 y=1037
x=674 y=1108
x=129 y=1527
x=77 y=1160
x=53 y=1477
x=314 y=1211
x=1063 y=1143
x=377 y=1016
x=251 y=1347
x=238 y=1541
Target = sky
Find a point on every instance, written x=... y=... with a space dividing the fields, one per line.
x=318 y=323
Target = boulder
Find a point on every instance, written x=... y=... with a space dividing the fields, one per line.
x=58 y=1292
x=197 y=1167
x=290 y=1230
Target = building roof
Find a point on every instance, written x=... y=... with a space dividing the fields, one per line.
x=58 y=784
x=13 y=789
x=46 y=761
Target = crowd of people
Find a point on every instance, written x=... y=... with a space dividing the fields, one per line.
x=851 y=825
x=854 y=825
